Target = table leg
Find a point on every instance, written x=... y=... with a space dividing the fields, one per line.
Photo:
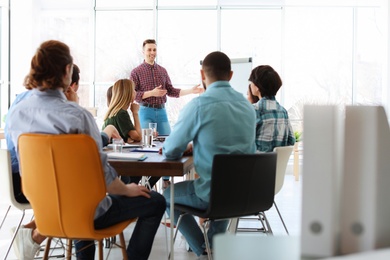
x=172 y=217
x=296 y=162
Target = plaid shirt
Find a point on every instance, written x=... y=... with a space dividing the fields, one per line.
x=146 y=77
x=273 y=127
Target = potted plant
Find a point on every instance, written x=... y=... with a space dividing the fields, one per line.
x=298 y=136
x=298 y=139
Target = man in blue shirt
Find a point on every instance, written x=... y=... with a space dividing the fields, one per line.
x=220 y=121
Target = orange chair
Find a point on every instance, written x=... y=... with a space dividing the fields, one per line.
x=64 y=182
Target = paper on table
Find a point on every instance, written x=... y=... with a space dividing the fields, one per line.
x=126 y=156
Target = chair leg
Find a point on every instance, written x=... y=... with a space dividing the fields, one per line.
x=47 y=248
x=69 y=249
x=5 y=216
x=280 y=216
x=206 y=239
x=100 y=242
x=266 y=226
x=123 y=245
x=233 y=225
x=177 y=229
x=16 y=232
x=167 y=244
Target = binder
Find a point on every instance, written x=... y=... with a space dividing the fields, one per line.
x=321 y=181
x=365 y=223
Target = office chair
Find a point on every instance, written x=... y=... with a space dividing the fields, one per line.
x=284 y=153
x=63 y=175
x=7 y=192
x=231 y=199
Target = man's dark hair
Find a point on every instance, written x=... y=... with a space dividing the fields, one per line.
x=217 y=65
x=266 y=79
x=75 y=75
x=148 y=41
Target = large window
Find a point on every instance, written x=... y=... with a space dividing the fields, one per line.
x=4 y=61
x=118 y=49
x=75 y=28
x=369 y=63
x=327 y=52
x=318 y=57
x=182 y=44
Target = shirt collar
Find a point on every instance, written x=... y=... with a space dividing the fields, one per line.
x=147 y=65
x=269 y=98
x=50 y=92
x=217 y=84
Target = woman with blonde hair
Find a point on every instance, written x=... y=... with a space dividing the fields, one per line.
x=123 y=95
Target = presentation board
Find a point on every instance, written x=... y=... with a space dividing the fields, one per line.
x=241 y=68
x=241 y=71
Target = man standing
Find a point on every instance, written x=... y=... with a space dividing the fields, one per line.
x=152 y=84
x=220 y=121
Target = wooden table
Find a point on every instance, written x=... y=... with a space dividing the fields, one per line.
x=156 y=165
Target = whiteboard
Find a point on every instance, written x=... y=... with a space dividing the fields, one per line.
x=241 y=68
x=241 y=71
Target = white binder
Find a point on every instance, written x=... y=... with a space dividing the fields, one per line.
x=366 y=185
x=321 y=180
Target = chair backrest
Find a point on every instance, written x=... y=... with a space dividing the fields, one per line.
x=6 y=182
x=241 y=184
x=63 y=179
x=284 y=153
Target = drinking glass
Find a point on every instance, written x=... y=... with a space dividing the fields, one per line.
x=117 y=145
x=153 y=126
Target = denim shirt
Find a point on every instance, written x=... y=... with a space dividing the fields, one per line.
x=10 y=144
x=49 y=112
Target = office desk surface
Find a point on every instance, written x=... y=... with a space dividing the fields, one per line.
x=154 y=165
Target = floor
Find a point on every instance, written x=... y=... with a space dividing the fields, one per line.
x=288 y=201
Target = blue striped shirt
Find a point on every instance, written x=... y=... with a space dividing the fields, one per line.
x=49 y=112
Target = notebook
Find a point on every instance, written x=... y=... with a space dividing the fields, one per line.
x=127 y=156
x=148 y=150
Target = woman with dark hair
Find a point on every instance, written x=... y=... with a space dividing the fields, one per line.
x=48 y=111
x=273 y=127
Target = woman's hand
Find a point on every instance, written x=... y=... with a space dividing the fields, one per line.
x=134 y=107
x=112 y=132
x=71 y=95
